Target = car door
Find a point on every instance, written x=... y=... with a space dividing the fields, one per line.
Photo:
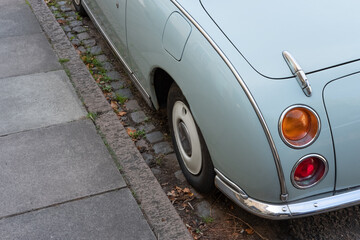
x=110 y=16
x=145 y=22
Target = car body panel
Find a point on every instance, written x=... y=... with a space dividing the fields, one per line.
x=273 y=97
x=176 y=34
x=112 y=19
x=221 y=108
x=146 y=21
x=232 y=113
x=313 y=32
x=196 y=85
x=342 y=98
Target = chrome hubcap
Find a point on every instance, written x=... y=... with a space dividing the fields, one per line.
x=187 y=138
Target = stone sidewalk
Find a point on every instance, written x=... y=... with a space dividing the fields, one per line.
x=58 y=179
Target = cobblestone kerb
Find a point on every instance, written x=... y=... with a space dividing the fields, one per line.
x=153 y=201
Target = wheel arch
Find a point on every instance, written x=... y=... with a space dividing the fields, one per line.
x=161 y=82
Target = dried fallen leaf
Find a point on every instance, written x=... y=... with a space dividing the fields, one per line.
x=114 y=105
x=107 y=95
x=178 y=189
x=186 y=190
x=249 y=231
x=97 y=78
x=61 y=21
x=130 y=131
x=120 y=114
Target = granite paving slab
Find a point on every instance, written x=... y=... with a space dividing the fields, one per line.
x=11 y=2
x=38 y=100
x=17 y=19
x=114 y=215
x=52 y=165
x=29 y=53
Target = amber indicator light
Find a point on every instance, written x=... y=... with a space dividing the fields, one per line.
x=299 y=126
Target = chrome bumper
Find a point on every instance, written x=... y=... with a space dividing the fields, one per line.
x=286 y=211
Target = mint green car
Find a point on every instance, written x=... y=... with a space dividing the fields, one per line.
x=262 y=96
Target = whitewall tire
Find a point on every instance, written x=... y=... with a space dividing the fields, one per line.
x=189 y=145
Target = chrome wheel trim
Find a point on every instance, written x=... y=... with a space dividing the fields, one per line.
x=187 y=137
x=77 y=2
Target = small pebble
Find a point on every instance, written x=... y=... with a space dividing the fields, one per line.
x=75 y=23
x=79 y=29
x=83 y=36
x=156 y=171
x=113 y=75
x=148 y=127
x=62 y=3
x=162 y=148
x=89 y=43
x=65 y=9
x=81 y=49
x=66 y=29
x=154 y=137
x=117 y=85
x=95 y=50
x=148 y=158
x=138 y=117
x=101 y=58
x=108 y=66
x=124 y=92
x=76 y=42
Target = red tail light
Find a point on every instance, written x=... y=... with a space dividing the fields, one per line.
x=308 y=171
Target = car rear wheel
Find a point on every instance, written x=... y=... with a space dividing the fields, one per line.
x=190 y=148
x=79 y=8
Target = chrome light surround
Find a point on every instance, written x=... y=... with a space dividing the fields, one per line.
x=281 y=122
x=293 y=181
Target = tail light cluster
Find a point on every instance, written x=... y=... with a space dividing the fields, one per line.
x=299 y=126
x=308 y=171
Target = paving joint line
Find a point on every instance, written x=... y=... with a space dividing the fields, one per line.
x=45 y=127
x=34 y=73
x=62 y=203
x=25 y=35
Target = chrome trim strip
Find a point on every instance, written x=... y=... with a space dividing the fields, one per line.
x=298 y=73
x=299 y=161
x=258 y=208
x=141 y=89
x=232 y=185
x=291 y=210
x=284 y=194
x=281 y=121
